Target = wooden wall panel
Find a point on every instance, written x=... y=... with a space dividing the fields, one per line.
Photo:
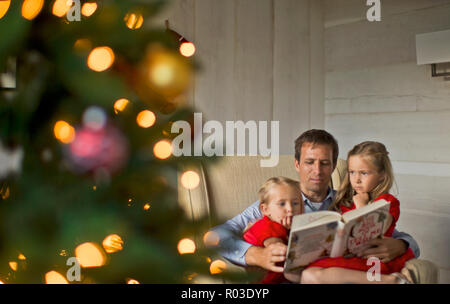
x=253 y=60
x=291 y=70
x=215 y=31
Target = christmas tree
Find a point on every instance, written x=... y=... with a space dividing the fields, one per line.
x=87 y=97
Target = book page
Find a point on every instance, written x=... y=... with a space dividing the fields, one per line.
x=370 y=224
x=348 y=216
x=303 y=221
x=307 y=245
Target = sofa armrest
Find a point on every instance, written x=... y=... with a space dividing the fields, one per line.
x=194 y=202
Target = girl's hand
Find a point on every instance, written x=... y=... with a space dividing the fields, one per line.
x=361 y=199
x=287 y=222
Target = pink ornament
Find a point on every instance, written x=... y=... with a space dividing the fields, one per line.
x=93 y=150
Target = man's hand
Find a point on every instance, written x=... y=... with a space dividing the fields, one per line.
x=266 y=257
x=386 y=249
x=272 y=240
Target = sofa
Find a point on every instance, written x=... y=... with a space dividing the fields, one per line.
x=230 y=184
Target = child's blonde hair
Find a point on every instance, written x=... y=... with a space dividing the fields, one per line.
x=377 y=154
x=263 y=192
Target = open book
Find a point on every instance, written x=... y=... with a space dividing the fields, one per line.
x=329 y=234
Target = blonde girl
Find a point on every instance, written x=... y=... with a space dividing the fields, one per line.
x=368 y=179
x=280 y=199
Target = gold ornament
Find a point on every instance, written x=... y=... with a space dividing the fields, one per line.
x=164 y=75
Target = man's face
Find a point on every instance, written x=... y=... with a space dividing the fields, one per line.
x=315 y=168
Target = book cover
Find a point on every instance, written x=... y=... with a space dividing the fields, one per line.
x=329 y=234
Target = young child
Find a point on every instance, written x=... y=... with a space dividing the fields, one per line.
x=280 y=199
x=368 y=179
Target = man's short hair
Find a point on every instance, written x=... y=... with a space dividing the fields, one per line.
x=318 y=137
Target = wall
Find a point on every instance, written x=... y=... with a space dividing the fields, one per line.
x=260 y=60
x=374 y=90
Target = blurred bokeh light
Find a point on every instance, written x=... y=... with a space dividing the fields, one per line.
x=112 y=243
x=4 y=6
x=101 y=58
x=187 y=49
x=89 y=8
x=190 y=179
x=90 y=255
x=217 y=266
x=53 y=277
x=120 y=105
x=134 y=20
x=186 y=246
x=31 y=8
x=162 y=149
x=64 y=132
x=61 y=7
x=146 y=119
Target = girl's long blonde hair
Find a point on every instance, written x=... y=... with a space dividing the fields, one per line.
x=263 y=193
x=377 y=154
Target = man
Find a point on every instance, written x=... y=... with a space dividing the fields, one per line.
x=316 y=154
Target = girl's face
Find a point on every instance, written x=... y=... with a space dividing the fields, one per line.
x=364 y=176
x=283 y=201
